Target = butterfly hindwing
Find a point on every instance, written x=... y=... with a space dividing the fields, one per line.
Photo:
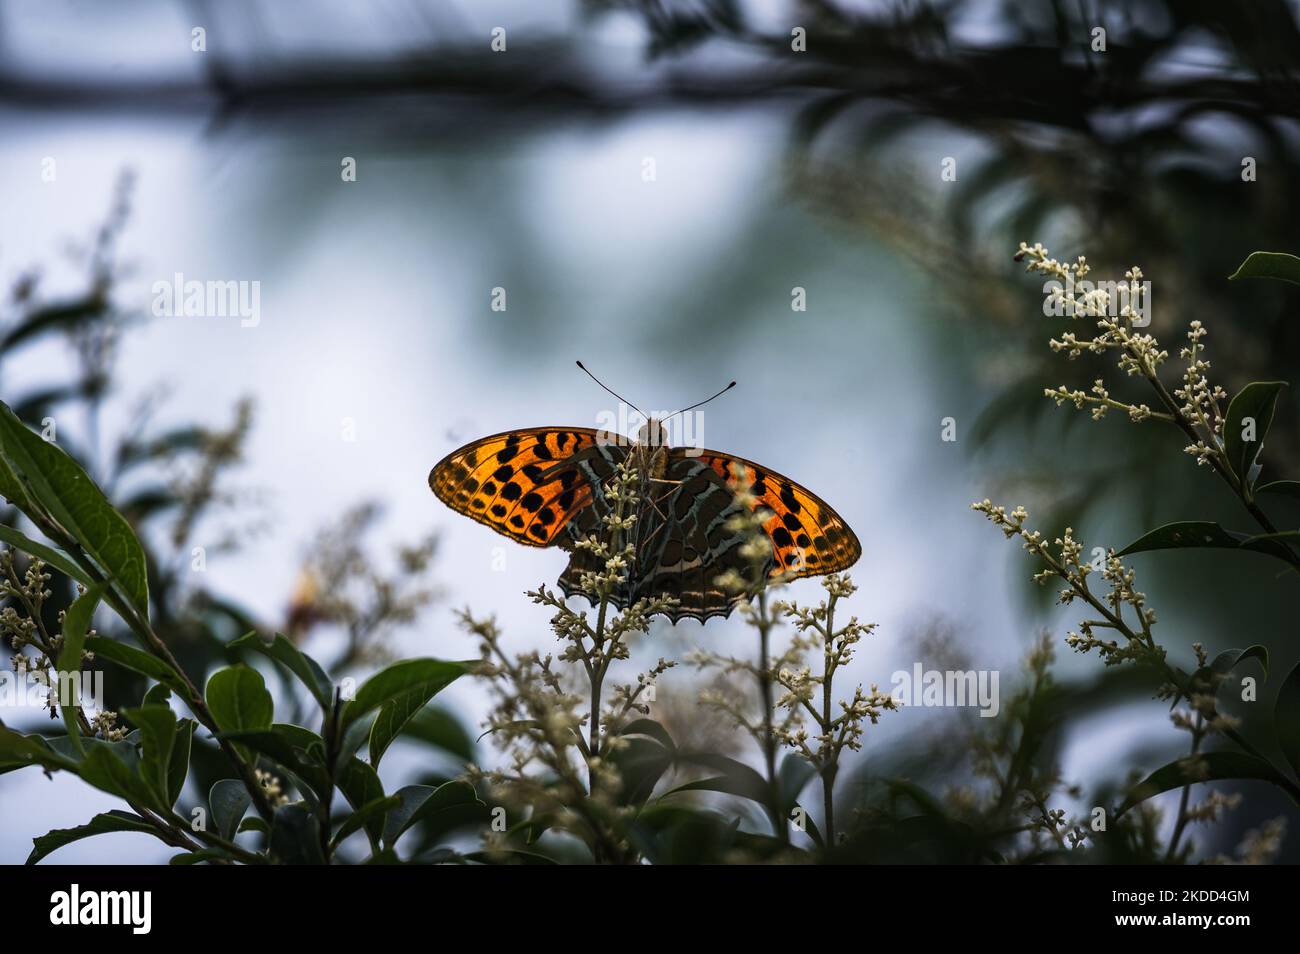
x=526 y=484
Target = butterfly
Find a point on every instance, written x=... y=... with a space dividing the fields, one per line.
x=546 y=486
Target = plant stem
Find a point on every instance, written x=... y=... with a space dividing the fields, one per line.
x=1181 y=824
x=769 y=736
x=830 y=761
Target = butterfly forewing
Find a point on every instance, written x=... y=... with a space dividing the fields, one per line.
x=526 y=484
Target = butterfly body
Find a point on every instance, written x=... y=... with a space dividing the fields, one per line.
x=547 y=486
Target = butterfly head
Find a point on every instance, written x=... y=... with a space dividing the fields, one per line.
x=652 y=434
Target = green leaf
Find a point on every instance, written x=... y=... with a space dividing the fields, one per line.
x=137 y=661
x=792 y=776
x=1283 y=488
x=1230 y=659
x=509 y=856
x=361 y=786
x=640 y=762
x=296 y=749
x=409 y=679
x=179 y=768
x=295 y=836
x=157 y=695
x=1202 y=534
x=651 y=729
x=421 y=803
x=239 y=700
x=53 y=486
x=117 y=771
x=228 y=800
x=308 y=671
x=1286 y=718
x=254 y=823
x=198 y=857
x=370 y=814
x=76 y=623
x=437 y=727
x=1217 y=766
x=157 y=725
x=737 y=778
x=55 y=558
x=1277 y=265
x=102 y=824
x=18 y=750
x=1256 y=402
x=398 y=711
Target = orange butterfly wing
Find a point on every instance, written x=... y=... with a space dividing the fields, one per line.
x=523 y=484
x=808 y=537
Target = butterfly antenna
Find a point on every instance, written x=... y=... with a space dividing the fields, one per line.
x=704 y=402
x=612 y=391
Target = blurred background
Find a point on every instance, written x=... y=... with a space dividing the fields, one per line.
x=648 y=182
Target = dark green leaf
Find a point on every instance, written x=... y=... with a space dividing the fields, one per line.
x=421 y=803
x=1213 y=767
x=55 y=558
x=737 y=778
x=239 y=701
x=157 y=695
x=1255 y=402
x=116 y=771
x=157 y=725
x=137 y=661
x=308 y=671
x=102 y=824
x=509 y=856
x=228 y=801
x=1286 y=718
x=17 y=750
x=1192 y=534
x=438 y=727
x=295 y=837
x=55 y=486
x=652 y=729
x=76 y=623
x=198 y=857
x=361 y=786
x=293 y=747
x=370 y=814
x=641 y=762
x=792 y=776
x=411 y=678
x=1277 y=265
x=1229 y=659
x=179 y=769
x=396 y=713
x=1284 y=488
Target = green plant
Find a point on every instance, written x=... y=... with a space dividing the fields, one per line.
x=1228 y=441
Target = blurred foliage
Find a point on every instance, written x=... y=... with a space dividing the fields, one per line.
x=175 y=487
